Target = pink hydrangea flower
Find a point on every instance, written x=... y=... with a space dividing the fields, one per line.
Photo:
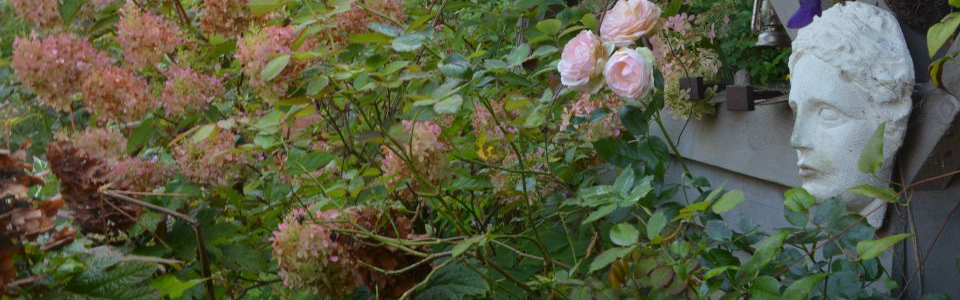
x=260 y=46
x=309 y=258
x=629 y=73
x=225 y=17
x=210 y=161
x=144 y=37
x=103 y=143
x=628 y=21
x=42 y=13
x=54 y=67
x=425 y=151
x=581 y=60
x=116 y=94
x=188 y=91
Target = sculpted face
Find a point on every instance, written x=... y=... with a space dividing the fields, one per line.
x=833 y=123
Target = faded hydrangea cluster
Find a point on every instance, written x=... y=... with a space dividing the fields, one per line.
x=225 y=17
x=309 y=258
x=144 y=37
x=117 y=95
x=485 y=124
x=582 y=117
x=101 y=142
x=357 y=19
x=188 y=91
x=42 y=13
x=258 y=47
x=425 y=151
x=210 y=161
x=54 y=67
x=127 y=173
x=684 y=33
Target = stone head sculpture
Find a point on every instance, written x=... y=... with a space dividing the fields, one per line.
x=850 y=72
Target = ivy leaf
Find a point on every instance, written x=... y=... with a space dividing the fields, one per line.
x=655 y=225
x=454 y=282
x=608 y=257
x=624 y=234
x=550 y=26
x=871 y=249
x=871 y=159
x=728 y=201
x=798 y=199
x=939 y=33
x=800 y=289
x=274 y=67
x=886 y=194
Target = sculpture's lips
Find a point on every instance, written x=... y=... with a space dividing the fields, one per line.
x=807 y=171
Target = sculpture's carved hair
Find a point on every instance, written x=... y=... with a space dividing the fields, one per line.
x=882 y=67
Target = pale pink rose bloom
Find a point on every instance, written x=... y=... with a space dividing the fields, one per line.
x=579 y=60
x=628 y=21
x=629 y=74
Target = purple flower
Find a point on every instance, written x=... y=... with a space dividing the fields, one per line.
x=804 y=15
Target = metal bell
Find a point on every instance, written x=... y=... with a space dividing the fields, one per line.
x=770 y=32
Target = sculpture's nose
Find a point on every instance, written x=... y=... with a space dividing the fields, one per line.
x=799 y=139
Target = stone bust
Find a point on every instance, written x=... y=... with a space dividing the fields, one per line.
x=850 y=72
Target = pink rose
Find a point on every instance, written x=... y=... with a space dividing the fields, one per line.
x=629 y=73
x=628 y=21
x=579 y=60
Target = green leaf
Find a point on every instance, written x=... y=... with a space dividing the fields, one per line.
x=936 y=71
x=600 y=213
x=274 y=67
x=385 y=29
x=871 y=249
x=716 y=272
x=69 y=9
x=454 y=282
x=798 y=199
x=728 y=201
x=871 y=159
x=800 y=289
x=204 y=132
x=624 y=182
x=451 y=105
x=655 y=225
x=410 y=41
x=315 y=160
x=518 y=55
x=141 y=135
x=260 y=8
x=550 y=26
x=608 y=257
x=624 y=234
x=590 y=21
x=673 y=8
x=765 y=253
x=544 y=51
x=171 y=286
x=939 y=33
x=317 y=84
x=635 y=120
x=370 y=38
x=765 y=288
x=886 y=194
x=463 y=246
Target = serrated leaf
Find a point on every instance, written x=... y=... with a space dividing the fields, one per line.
x=454 y=282
x=274 y=67
x=800 y=289
x=624 y=234
x=608 y=257
x=886 y=194
x=871 y=158
x=798 y=199
x=655 y=225
x=550 y=26
x=727 y=202
x=874 y=248
x=939 y=33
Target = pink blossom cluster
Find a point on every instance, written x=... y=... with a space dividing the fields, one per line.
x=144 y=37
x=307 y=256
x=210 y=161
x=225 y=17
x=357 y=19
x=584 y=108
x=188 y=91
x=116 y=94
x=142 y=175
x=42 y=13
x=102 y=143
x=425 y=151
x=484 y=123
x=54 y=67
x=260 y=46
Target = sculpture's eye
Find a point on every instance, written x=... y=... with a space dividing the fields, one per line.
x=830 y=116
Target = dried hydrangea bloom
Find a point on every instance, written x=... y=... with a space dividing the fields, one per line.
x=209 y=161
x=42 y=13
x=54 y=67
x=357 y=19
x=424 y=149
x=144 y=37
x=307 y=256
x=103 y=143
x=136 y=174
x=189 y=91
x=260 y=46
x=225 y=17
x=116 y=94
